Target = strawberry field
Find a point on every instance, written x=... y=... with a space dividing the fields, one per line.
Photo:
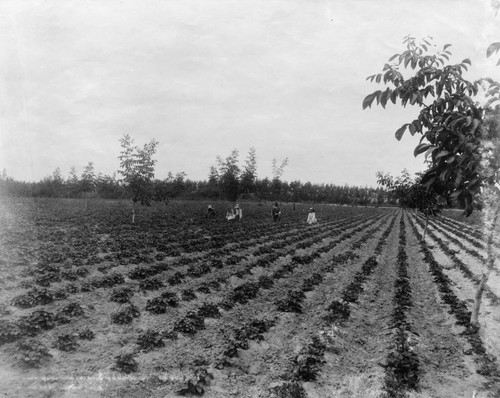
x=358 y=305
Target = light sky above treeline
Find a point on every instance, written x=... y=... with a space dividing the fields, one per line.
x=204 y=77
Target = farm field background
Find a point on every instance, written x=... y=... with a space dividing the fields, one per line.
x=92 y=305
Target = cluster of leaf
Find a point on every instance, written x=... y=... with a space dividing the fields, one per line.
x=126 y=363
x=354 y=289
x=188 y=295
x=265 y=282
x=66 y=342
x=292 y=302
x=150 y=339
x=209 y=310
x=33 y=297
x=176 y=278
x=108 y=280
x=450 y=122
x=9 y=332
x=121 y=295
x=290 y=389
x=307 y=363
x=158 y=305
x=244 y=292
x=32 y=353
x=190 y=324
x=196 y=385
x=337 y=311
x=126 y=315
x=72 y=310
x=198 y=270
x=311 y=282
x=86 y=334
x=151 y=284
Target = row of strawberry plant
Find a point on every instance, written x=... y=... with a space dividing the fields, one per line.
x=402 y=363
x=458 y=242
x=243 y=294
x=307 y=364
x=460 y=264
x=486 y=364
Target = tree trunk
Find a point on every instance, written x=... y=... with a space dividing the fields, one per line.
x=474 y=318
x=133 y=212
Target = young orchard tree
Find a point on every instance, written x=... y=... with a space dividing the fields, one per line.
x=88 y=182
x=249 y=174
x=229 y=174
x=137 y=168
x=451 y=125
x=410 y=193
x=72 y=182
x=276 y=184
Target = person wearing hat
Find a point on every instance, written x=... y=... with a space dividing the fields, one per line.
x=311 y=217
x=237 y=212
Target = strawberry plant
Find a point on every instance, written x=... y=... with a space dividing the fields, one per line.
x=307 y=363
x=291 y=389
x=126 y=315
x=9 y=331
x=198 y=270
x=32 y=353
x=196 y=384
x=245 y=292
x=209 y=310
x=190 y=324
x=203 y=288
x=150 y=284
x=265 y=282
x=292 y=302
x=121 y=295
x=337 y=311
x=72 y=310
x=125 y=363
x=149 y=340
x=188 y=295
x=66 y=342
x=176 y=278
x=86 y=334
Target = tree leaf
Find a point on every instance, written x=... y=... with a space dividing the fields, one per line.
x=384 y=97
x=367 y=102
x=466 y=61
x=399 y=132
x=393 y=57
x=492 y=48
x=421 y=148
x=442 y=153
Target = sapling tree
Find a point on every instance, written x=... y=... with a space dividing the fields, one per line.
x=87 y=184
x=454 y=128
x=229 y=176
x=137 y=168
x=410 y=193
x=276 y=184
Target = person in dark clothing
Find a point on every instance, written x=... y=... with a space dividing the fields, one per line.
x=276 y=212
x=210 y=211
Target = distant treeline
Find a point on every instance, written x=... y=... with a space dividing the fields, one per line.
x=178 y=186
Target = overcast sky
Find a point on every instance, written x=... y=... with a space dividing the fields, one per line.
x=204 y=77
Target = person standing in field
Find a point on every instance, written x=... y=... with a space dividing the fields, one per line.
x=311 y=217
x=276 y=212
x=238 y=214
